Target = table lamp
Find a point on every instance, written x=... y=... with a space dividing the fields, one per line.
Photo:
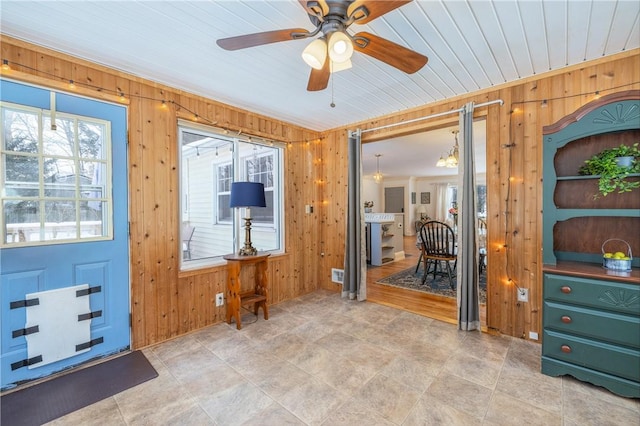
x=423 y=211
x=247 y=195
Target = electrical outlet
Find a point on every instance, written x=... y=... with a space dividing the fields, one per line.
x=219 y=299
x=523 y=294
x=533 y=335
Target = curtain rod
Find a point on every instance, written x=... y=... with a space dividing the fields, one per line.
x=440 y=114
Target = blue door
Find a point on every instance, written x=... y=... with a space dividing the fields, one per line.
x=64 y=223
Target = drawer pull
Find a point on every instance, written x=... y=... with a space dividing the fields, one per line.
x=565 y=289
x=566 y=349
x=566 y=319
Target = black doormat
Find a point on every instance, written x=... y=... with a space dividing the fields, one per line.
x=46 y=401
x=411 y=280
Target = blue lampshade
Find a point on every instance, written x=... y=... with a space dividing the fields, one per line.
x=247 y=194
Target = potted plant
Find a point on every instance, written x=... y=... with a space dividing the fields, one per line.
x=368 y=206
x=613 y=169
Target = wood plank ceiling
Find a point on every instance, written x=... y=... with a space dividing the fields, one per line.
x=471 y=45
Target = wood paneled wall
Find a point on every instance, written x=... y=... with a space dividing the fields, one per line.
x=514 y=174
x=167 y=303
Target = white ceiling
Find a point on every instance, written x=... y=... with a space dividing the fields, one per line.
x=416 y=155
x=471 y=45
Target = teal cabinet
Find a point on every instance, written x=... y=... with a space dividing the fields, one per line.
x=591 y=315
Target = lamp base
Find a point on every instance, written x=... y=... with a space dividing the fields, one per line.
x=248 y=251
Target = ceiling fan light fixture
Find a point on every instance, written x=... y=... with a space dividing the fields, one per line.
x=341 y=66
x=340 y=47
x=315 y=53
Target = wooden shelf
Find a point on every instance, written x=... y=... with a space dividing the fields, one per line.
x=585 y=177
x=593 y=271
x=590 y=314
x=246 y=299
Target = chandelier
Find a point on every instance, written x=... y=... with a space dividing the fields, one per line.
x=451 y=161
x=377 y=177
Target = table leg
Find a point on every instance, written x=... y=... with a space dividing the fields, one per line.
x=233 y=293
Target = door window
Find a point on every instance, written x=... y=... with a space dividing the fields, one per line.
x=55 y=177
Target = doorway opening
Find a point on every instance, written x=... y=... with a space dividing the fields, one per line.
x=428 y=192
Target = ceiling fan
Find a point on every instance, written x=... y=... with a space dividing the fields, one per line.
x=332 y=51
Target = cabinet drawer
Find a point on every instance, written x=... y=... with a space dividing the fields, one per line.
x=616 y=360
x=606 y=326
x=613 y=296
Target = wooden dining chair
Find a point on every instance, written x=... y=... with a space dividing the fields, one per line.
x=418 y=224
x=439 y=250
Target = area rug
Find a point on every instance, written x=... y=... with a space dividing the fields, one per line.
x=46 y=401
x=411 y=280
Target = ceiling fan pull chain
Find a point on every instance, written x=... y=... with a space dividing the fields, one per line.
x=332 y=104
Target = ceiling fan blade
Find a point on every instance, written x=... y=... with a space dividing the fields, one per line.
x=315 y=7
x=374 y=7
x=389 y=52
x=319 y=79
x=258 y=39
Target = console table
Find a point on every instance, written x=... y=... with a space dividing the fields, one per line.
x=257 y=296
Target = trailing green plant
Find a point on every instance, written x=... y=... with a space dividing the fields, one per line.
x=612 y=176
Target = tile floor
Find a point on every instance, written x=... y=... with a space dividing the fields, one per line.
x=321 y=360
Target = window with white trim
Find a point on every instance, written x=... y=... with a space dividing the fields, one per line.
x=481 y=201
x=55 y=179
x=209 y=162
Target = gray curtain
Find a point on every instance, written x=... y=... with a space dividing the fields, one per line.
x=355 y=257
x=468 y=280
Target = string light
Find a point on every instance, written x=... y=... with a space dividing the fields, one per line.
x=123 y=98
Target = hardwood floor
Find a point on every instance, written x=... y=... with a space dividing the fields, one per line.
x=426 y=304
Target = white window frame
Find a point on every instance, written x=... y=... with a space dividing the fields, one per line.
x=106 y=223
x=239 y=174
x=267 y=189
x=216 y=180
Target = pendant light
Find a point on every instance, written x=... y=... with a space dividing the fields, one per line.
x=377 y=177
x=451 y=161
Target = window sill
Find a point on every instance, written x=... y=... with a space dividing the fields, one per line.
x=205 y=266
